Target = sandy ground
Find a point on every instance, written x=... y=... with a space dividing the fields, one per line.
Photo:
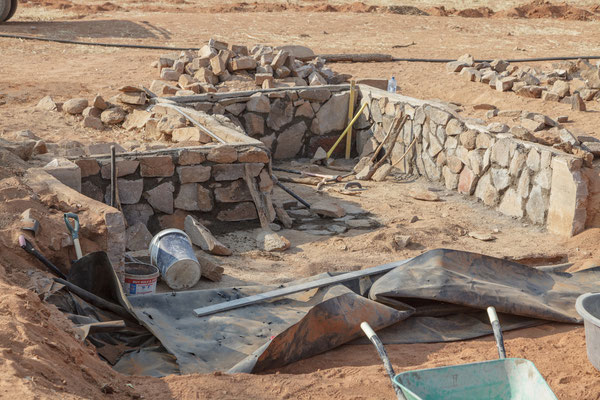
x=40 y=358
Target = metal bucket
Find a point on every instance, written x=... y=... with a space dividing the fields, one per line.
x=140 y=279
x=588 y=306
x=172 y=252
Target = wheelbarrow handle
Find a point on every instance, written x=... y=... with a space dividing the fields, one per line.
x=497 y=332
x=73 y=229
x=370 y=333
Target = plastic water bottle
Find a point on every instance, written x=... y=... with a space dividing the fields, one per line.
x=392 y=85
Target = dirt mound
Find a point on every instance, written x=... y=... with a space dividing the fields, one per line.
x=69 y=5
x=356 y=7
x=545 y=9
x=533 y=10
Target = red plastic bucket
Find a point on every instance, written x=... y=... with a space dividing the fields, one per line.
x=140 y=279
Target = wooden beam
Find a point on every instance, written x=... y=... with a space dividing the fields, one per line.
x=273 y=294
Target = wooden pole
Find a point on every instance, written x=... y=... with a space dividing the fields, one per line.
x=350 y=115
x=330 y=152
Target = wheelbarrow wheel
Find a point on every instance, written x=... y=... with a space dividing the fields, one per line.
x=13 y=9
x=5 y=9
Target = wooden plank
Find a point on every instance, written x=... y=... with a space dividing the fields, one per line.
x=273 y=294
x=261 y=209
x=350 y=116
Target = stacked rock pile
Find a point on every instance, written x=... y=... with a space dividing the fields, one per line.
x=218 y=63
x=566 y=82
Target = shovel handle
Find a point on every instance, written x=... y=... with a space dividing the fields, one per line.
x=73 y=229
x=497 y=332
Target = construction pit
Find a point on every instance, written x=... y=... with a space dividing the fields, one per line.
x=513 y=208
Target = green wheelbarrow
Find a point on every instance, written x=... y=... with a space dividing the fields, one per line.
x=502 y=379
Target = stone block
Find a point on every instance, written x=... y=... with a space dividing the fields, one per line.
x=231 y=172
x=467 y=181
x=92 y=191
x=235 y=192
x=437 y=115
x=67 y=172
x=333 y=115
x=138 y=237
x=450 y=178
x=255 y=124
x=194 y=174
x=243 y=63
x=239 y=212
x=137 y=213
x=124 y=168
x=222 y=154
x=88 y=167
x=468 y=139
x=500 y=178
x=486 y=191
x=290 y=141
x=129 y=191
x=156 y=166
x=454 y=127
x=190 y=134
x=536 y=206
x=258 y=103
x=187 y=198
x=191 y=157
x=75 y=106
x=161 y=197
x=566 y=210
x=511 y=204
x=315 y=95
x=501 y=152
x=533 y=160
x=281 y=114
x=253 y=155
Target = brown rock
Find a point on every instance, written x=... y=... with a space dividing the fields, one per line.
x=201 y=237
x=113 y=116
x=577 y=103
x=194 y=174
x=328 y=209
x=240 y=212
x=267 y=240
x=88 y=167
x=235 y=192
x=75 y=106
x=253 y=155
x=157 y=166
x=191 y=157
x=92 y=122
x=222 y=154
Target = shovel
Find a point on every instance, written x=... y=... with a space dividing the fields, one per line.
x=74 y=230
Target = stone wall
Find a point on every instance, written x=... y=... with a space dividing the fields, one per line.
x=291 y=122
x=520 y=179
x=159 y=189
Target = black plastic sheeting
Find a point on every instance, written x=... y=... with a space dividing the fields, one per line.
x=435 y=297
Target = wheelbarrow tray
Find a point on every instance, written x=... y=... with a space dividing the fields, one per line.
x=504 y=379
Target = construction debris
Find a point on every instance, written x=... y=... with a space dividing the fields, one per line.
x=201 y=237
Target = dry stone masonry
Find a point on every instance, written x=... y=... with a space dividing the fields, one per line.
x=159 y=190
x=521 y=179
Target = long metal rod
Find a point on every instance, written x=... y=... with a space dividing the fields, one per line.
x=193 y=121
x=95 y=300
x=273 y=294
x=348 y=128
x=228 y=95
x=113 y=177
x=294 y=195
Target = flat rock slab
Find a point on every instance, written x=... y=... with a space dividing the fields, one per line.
x=424 y=195
x=328 y=209
x=483 y=236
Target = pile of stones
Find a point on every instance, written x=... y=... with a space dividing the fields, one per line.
x=99 y=113
x=566 y=82
x=218 y=64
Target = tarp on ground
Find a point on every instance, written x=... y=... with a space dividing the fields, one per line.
x=437 y=296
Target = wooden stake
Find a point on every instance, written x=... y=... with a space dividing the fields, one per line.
x=350 y=116
x=261 y=208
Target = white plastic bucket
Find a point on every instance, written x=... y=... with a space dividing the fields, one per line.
x=172 y=253
x=140 y=279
